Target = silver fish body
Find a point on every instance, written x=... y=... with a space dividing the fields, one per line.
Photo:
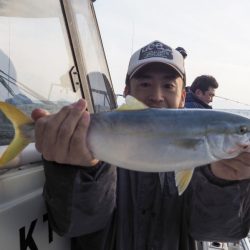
x=160 y=140
x=150 y=140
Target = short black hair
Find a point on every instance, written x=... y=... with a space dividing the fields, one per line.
x=204 y=82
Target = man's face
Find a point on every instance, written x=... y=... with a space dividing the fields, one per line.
x=158 y=87
x=206 y=97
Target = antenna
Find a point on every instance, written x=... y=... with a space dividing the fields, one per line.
x=228 y=99
x=133 y=36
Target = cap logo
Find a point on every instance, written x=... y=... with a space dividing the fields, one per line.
x=156 y=49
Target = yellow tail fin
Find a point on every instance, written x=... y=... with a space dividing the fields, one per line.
x=19 y=142
x=182 y=179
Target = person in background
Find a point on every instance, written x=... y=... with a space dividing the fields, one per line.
x=105 y=207
x=201 y=92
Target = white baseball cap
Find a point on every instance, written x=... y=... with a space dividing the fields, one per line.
x=156 y=52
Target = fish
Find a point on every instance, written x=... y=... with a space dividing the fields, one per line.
x=139 y=138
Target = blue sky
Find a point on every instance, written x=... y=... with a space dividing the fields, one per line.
x=215 y=34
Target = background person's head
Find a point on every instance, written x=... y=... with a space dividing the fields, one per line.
x=204 y=88
x=156 y=76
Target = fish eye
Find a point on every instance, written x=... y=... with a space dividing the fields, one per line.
x=243 y=129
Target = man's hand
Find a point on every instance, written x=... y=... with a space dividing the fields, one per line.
x=62 y=137
x=233 y=169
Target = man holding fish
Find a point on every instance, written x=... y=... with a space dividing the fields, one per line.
x=104 y=207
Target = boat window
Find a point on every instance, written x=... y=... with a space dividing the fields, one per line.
x=35 y=58
x=93 y=55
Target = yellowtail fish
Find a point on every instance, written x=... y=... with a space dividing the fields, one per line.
x=139 y=138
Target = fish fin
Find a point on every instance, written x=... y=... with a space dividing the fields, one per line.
x=15 y=115
x=182 y=179
x=20 y=141
x=132 y=104
x=16 y=146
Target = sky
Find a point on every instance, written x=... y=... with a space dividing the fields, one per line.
x=215 y=34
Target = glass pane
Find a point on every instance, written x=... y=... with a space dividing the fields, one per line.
x=94 y=57
x=35 y=58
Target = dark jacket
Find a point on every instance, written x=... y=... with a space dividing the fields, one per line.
x=194 y=102
x=111 y=208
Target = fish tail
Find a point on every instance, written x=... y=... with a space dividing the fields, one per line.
x=182 y=179
x=20 y=140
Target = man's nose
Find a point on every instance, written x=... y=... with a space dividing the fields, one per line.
x=157 y=94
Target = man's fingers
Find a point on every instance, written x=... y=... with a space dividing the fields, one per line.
x=65 y=133
x=79 y=141
x=38 y=113
x=50 y=129
x=61 y=137
x=237 y=168
x=81 y=104
x=39 y=129
x=46 y=130
x=39 y=132
x=244 y=157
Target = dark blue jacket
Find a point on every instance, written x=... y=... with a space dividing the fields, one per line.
x=109 y=208
x=193 y=102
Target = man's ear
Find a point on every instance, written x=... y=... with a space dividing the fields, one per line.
x=183 y=97
x=198 y=92
x=126 y=90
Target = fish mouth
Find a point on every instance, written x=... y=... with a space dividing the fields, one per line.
x=242 y=147
x=245 y=147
